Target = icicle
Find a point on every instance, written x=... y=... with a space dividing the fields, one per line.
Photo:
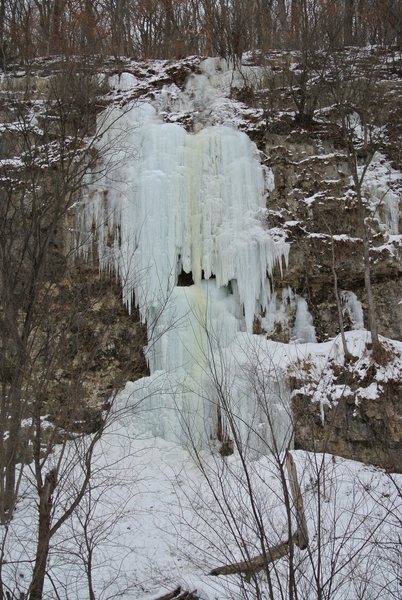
x=353 y=308
x=168 y=194
x=303 y=330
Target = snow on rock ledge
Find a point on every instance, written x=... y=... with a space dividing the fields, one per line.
x=352 y=409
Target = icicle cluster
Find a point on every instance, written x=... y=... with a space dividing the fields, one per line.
x=170 y=201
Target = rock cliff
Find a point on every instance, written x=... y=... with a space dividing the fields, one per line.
x=312 y=203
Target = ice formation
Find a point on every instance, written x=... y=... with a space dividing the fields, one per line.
x=177 y=202
x=303 y=329
x=166 y=202
x=381 y=182
x=214 y=82
x=279 y=313
x=353 y=309
x=382 y=186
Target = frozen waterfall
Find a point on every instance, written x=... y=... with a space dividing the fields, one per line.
x=352 y=307
x=168 y=202
x=303 y=330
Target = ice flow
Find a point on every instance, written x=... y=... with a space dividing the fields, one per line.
x=166 y=202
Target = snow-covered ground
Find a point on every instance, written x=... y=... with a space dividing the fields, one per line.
x=158 y=513
x=158 y=516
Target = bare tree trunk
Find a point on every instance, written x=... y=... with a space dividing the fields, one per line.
x=300 y=538
x=346 y=352
x=393 y=22
x=249 y=567
x=90 y=575
x=42 y=548
x=282 y=19
x=179 y=594
x=3 y=33
x=302 y=531
x=296 y=23
x=56 y=29
x=367 y=277
x=361 y=23
x=358 y=180
x=348 y=22
x=14 y=451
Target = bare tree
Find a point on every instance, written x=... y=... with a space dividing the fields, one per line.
x=356 y=91
x=37 y=196
x=251 y=522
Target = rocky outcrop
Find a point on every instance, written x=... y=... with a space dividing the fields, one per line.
x=371 y=433
x=102 y=347
x=314 y=202
x=83 y=344
x=353 y=409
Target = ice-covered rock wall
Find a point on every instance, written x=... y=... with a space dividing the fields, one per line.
x=166 y=202
x=382 y=187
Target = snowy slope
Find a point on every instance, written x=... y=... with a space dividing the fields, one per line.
x=161 y=518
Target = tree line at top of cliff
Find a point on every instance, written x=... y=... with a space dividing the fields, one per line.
x=172 y=29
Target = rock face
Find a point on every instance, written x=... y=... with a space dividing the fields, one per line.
x=313 y=201
x=352 y=409
x=102 y=347
x=372 y=433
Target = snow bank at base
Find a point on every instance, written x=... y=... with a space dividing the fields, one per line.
x=247 y=379
x=160 y=518
x=158 y=515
